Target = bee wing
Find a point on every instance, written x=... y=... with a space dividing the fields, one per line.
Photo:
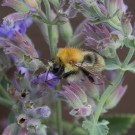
x=91 y=70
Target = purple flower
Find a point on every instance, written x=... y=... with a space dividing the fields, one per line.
x=22 y=51
x=100 y=37
x=41 y=112
x=117 y=93
x=116 y=96
x=46 y=78
x=77 y=98
x=10 y=27
x=9 y=20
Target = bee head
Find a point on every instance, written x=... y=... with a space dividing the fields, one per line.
x=57 y=69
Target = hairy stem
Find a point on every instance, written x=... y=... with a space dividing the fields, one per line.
x=59 y=118
x=52 y=48
x=50 y=30
x=110 y=88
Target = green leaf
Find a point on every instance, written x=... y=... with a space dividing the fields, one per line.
x=120 y=124
x=111 y=64
x=100 y=128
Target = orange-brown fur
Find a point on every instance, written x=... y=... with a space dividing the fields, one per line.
x=70 y=54
x=67 y=55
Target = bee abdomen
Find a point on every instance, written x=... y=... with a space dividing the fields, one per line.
x=90 y=58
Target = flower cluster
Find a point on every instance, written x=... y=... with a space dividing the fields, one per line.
x=32 y=88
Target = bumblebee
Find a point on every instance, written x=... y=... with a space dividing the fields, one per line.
x=71 y=63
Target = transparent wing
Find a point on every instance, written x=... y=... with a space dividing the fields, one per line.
x=91 y=70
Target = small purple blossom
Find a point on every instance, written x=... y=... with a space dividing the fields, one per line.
x=14 y=26
x=46 y=78
x=42 y=112
x=9 y=20
x=22 y=51
x=100 y=37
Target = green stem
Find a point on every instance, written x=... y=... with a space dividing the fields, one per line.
x=67 y=126
x=110 y=88
x=48 y=10
x=106 y=94
x=52 y=53
x=117 y=27
x=117 y=59
x=59 y=118
x=129 y=56
x=51 y=46
x=48 y=14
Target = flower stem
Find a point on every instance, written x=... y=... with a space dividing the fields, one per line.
x=110 y=88
x=52 y=48
x=59 y=118
x=129 y=56
x=48 y=15
x=47 y=6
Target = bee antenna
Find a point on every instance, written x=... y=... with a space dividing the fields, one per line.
x=40 y=59
x=43 y=59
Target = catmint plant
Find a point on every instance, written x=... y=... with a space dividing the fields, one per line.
x=36 y=97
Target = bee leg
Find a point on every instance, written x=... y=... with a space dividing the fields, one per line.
x=93 y=81
x=65 y=75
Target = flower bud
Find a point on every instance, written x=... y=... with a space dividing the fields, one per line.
x=16 y=4
x=81 y=112
x=32 y=3
x=121 y=7
x=126 y=24
x=116 y=96
x=111 y=6
x=33 y=125
x=42 y=112
x=66 y=30
x=10 y=20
